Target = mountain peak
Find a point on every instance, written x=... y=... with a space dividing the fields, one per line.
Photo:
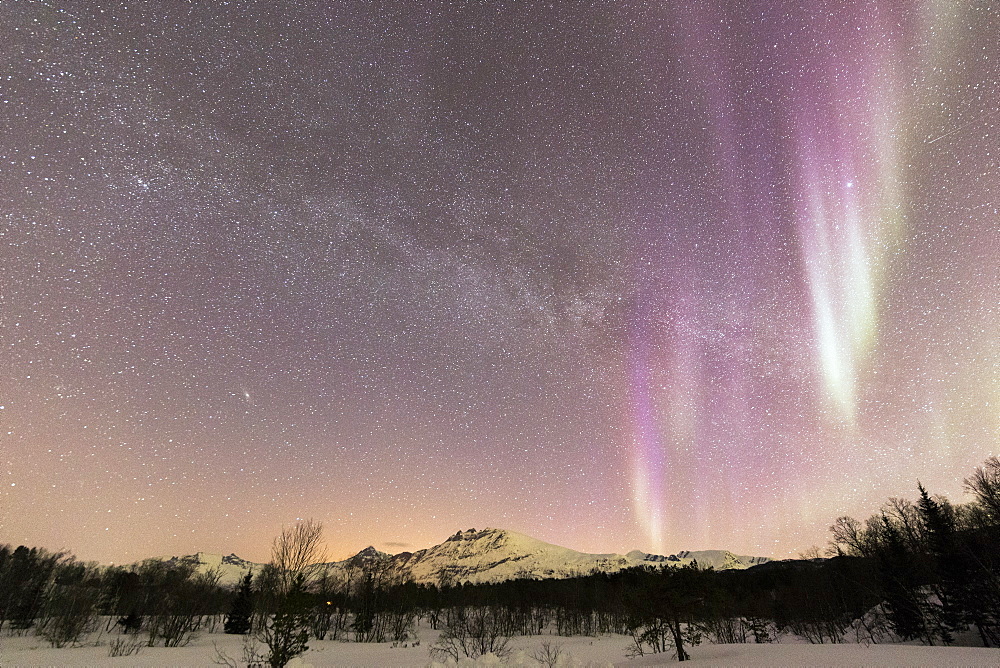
x=472 y=534
x=370 y=553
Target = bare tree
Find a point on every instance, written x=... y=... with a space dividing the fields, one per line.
x=284 y=629
x=814 y=552
x=850 y=537
x=472 y=632
x=984 y=484
x=70 y=607
x=905 y=516
x=549 y=654
x=296 y=550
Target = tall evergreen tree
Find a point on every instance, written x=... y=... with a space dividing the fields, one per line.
x=899 y=580
x=954 y=567
x=238 y=620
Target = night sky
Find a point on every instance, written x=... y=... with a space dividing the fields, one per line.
x=643 y=275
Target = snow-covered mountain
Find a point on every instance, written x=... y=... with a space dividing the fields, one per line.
x=493 y=555
x=231 y=568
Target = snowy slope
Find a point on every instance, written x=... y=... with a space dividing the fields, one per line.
x=230 y=567
x=493 y=555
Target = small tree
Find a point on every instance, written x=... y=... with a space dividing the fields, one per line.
x=287 y=633
x=549 y=655
x=238 y=620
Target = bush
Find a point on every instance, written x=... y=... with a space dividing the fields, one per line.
x=125 y=645
x=472 y=633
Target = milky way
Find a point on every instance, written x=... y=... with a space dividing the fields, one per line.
x=649 y=275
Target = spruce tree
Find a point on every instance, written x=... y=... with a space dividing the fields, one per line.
x=238 y=620
x=899 y=579
x=954 y=567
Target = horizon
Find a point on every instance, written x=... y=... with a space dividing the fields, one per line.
x=330 y=559
x=652 y=276
x=386 y=550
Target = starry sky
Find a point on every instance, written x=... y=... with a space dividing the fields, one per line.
x=638 y=275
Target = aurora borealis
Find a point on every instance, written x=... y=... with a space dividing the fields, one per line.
x=658 y=276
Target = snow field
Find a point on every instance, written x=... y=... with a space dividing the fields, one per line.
x=577 y=652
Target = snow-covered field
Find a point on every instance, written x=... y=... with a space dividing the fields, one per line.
x=578 y=651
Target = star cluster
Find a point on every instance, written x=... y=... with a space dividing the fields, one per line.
x=655 y=275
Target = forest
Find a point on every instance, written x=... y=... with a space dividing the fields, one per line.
x=926 y=570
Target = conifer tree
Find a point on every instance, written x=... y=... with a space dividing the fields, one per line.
x=899 y=579
x=954 y=568
x=238 y=620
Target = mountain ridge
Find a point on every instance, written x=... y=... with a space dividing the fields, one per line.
x=489 y=555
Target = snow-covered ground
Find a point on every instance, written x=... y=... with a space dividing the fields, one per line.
x=894 y=656
x=578 y=651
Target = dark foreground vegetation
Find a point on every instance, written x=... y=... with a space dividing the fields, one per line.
x=927 y=570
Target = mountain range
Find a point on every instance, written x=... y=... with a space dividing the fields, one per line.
x=490 y=555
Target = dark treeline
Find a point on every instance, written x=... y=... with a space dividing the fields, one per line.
x=61 y=599
x=927 y=570
x=936 y=564
x=665 y=609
